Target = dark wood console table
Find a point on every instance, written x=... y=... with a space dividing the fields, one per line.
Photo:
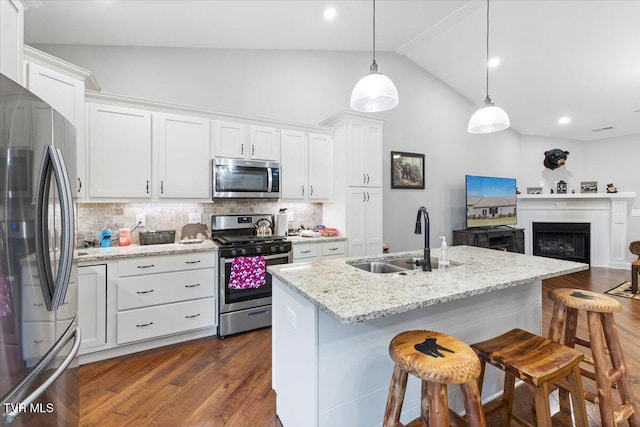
x=505 y=239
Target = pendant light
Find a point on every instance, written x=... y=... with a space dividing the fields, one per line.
x=374 y=92
x=489 y=118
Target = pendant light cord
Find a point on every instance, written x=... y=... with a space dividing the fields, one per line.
x=374 y=31
x=487 y=63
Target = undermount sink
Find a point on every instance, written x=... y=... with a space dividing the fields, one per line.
x=396 y=265
x=378 y=267
x=410 y=263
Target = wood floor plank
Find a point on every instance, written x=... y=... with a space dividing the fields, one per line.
x=227 y=383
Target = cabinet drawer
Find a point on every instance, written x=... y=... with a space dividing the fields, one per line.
x=333 y=248
x=162 y=264
x=154 y=289
x=69 y=306
x=306 y=251
x=33 y=308
x=152 y=322
x=37 y=338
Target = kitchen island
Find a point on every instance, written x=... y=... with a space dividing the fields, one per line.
x=332 y=324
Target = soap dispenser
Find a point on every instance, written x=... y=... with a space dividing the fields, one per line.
x=443 y=261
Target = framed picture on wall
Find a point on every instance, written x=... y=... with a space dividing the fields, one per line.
x=407 y=170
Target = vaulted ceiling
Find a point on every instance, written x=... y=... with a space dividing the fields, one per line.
x=574 y=58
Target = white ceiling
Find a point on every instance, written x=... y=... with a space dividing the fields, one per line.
x=576 y=58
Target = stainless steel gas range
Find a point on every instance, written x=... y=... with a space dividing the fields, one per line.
x=244 y=283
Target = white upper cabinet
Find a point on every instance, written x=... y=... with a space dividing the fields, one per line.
x=306 y=165
x=241 y=141
x=229 y=140
x=264 y=143
x=364 y=154
x=184 y=151
x=11 y=38
x=120 y=147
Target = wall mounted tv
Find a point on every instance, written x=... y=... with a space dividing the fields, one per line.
x=491 y=201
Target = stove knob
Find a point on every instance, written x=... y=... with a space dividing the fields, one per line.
x=233 y=252
x=274 y=248
x=243 y=251
x=281 y=248
x=258 y=249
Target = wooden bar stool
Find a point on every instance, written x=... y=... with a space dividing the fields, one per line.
x=537 y=361
x=635 y=271
x=603 y=334
x=437 y=359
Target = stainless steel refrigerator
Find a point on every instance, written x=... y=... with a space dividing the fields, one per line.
x=39 y=333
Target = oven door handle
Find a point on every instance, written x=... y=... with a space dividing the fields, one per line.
x=266 y=257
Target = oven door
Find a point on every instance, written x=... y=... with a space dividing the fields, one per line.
x=244 y=281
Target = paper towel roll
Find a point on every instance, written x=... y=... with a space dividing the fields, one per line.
x=282 y=225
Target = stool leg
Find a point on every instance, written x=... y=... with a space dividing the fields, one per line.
x=577 y=397
x=424 y=401
x=438 y=404
x=473 y=404
x=397 y=389
x=557 y=324
x=635 y=270
x=618 y=363
x=603 y=382
x=507 y=396
x=541 y=398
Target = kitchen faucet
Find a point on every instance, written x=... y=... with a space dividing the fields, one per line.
x=426 y=264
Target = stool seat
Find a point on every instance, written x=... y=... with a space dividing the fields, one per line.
x=538 y=361
x=444 y=359
x=585 y=300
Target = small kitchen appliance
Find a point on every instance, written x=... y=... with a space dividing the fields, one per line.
x=244 y=283
x=245 y=179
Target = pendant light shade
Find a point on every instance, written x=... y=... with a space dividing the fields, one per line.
x=489 y=118
x=374 y=92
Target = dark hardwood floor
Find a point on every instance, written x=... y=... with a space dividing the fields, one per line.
x=213 y=382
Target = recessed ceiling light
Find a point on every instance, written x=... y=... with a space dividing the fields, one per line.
x=329 y=13
x=564 y=120
x=494 y=62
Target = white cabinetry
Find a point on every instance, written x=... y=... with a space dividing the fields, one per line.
x=316 y=251
x=241 y=141
x=184 y=151
x=306 y=165
x=11 y=38
x=119 y=152
x=92 y=310
x=164 y=295
x=357 y=182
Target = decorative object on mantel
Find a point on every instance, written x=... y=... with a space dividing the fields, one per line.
x=561 y=187
x=551 y=191
x=611 y=188
x=534 y=190
x=374 y=92
x=589 y=187
x=489 y=118
x=407 y=170
x=555 y=158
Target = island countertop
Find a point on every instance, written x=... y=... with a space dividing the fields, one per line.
x=351 y=295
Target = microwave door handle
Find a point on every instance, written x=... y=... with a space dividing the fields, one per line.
x=67 y=222
x=269 y=180
x=43 y=259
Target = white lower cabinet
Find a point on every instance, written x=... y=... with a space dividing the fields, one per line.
x=92 y=310
x=316 y=251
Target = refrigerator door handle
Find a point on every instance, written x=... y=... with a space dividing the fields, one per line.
x=16 y=408
x=54 y=290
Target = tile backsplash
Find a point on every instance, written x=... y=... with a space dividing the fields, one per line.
x=92 y=217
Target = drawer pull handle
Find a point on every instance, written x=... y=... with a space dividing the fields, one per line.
x=257 y=313
x=192 y=316
x=65 y=303
x=144 y=324
x=146 y=266
x=144 y=292
x=38 y=341
x=192 y=262
x=305 y=252
x=192 y=286
x=333 y=249
x=38 y=305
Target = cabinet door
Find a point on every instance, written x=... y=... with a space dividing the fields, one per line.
x=119 y=152
x=356 y=221
x=294 y=165
x=66 y=95
x=92 y=307
x=356 y=152
x=11 y=39
x=372 y=155
x=184 y=157
x=373 y=221
x=320 y=167
x=229 y=139
x=264 y=143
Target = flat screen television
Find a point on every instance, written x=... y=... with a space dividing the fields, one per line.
x=491 y=201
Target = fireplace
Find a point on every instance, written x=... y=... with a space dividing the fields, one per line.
x=570 y=241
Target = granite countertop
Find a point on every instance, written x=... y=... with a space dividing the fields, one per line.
x=296 y=240
x=115 y=252
x=352 y=295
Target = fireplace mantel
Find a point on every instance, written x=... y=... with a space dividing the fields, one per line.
x=606 y=212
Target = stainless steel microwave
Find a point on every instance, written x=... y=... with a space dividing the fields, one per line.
x=245 y=179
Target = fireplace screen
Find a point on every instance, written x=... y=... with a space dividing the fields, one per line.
x=562 y=240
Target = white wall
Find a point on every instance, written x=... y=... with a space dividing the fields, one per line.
x=309 y=86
